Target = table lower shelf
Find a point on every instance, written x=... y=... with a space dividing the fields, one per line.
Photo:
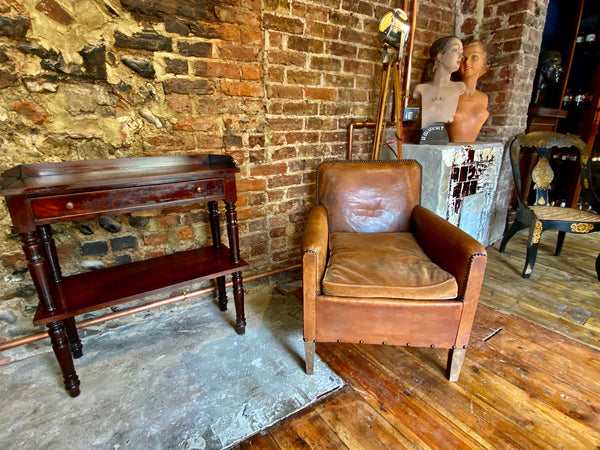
x=90 y=291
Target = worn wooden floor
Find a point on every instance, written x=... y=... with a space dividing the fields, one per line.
x=535 y=383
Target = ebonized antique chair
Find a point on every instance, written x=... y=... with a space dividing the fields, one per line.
x=378 y=268
x=541 y=215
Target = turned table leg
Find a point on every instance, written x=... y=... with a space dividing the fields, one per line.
x=215 y=230
x=49 y=247
x=35 y=252
x=234 y=249
x=61 y=348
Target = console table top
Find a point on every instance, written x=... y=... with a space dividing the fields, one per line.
x=48 y=178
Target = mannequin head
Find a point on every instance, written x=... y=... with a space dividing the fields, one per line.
x=444 y=54
x=474 y=62
x=550 y=65
x=548 y=75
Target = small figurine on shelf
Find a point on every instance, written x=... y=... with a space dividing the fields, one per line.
x=548 y=74
x=438 y=94
x=471 y=111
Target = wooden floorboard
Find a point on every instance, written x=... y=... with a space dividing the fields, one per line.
x=531 y=377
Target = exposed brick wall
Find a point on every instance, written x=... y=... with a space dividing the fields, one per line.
x=274 y=83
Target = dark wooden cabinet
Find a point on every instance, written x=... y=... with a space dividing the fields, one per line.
x=39 y=195
x=573 y=105
x=573 y=29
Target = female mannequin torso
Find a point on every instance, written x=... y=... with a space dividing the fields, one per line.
x=439 y=97
x=471 y=111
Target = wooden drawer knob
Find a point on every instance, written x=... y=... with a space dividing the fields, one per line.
x=69 y=205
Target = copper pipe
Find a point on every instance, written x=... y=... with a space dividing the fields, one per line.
x=126 y=312
x=359 y=125
x=411 y=45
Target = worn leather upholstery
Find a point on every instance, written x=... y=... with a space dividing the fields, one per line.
x=378 y=268
x=384 y=265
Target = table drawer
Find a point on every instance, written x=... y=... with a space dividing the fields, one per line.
x=115 y=201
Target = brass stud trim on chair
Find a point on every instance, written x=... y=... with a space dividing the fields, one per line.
x=384 y=343
x=339 y=340
x=408 y=344
x=432 y=345
x=361 y=342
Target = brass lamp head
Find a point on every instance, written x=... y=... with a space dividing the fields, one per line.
x=394 y=29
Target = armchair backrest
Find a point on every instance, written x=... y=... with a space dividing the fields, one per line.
x=542 y=175
x=369 y=196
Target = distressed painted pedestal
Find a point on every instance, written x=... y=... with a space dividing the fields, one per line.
x=459 y=182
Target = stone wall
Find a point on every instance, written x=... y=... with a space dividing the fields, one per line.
x=274 y=83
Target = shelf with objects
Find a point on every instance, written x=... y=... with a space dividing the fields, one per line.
x=566 y=91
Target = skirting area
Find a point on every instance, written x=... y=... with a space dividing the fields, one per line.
x=184 y=379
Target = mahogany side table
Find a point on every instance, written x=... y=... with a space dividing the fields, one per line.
x=38 y=195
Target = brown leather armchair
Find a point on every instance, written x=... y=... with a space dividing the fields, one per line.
x=378 y=268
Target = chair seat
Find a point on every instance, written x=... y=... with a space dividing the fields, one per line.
x=564 y=214
x=384 y=265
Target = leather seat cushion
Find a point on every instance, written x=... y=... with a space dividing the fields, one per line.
x=384 y=265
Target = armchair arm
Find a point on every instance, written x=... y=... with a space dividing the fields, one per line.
x=314 y=259
x=458 y=253
x=450 y=248
x=314 y=245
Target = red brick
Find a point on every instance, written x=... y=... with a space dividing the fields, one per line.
x=187 y=86
x=217 y=69
x=268 y=169
x=237 y=52
x=284 y=24
x=179 y=103
x=237 y=15
x=300 y=109
x=242 y=89
x=251 y=72
x=287 y=92
x=171 y=143
x=54 y=11
x=287 y=58
x=185 y=233
x=155 y=238
x=250 y=213
x=31 y=111
x=283 y=124
x=303 y=77
x=167 y=221
x=326 y=94
x=251 y=184
x=357 y=67
x=312 y=12
x=324 y=31
x=360 y=7
x=325 y=63
x=13 y=260
x=303 y=44
x=196 y=124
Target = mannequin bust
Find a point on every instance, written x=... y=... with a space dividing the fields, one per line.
x=471 y=111
x=548 y=73
x=439 y=95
